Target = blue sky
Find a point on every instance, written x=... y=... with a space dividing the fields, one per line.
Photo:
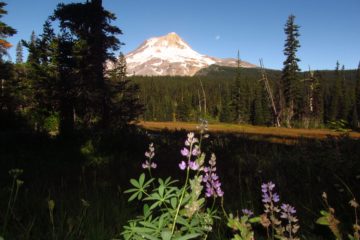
x=329 y=28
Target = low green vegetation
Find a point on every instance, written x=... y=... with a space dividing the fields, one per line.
x=74 y=189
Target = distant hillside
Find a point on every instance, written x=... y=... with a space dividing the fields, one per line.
x=222 y=72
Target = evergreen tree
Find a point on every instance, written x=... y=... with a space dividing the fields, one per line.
x=226 y=115
x=5 y=32
x=89 y=24
x=289 y=78
x=240 y=100
x=257 y=109
x=336 y=95
x=345 y=102
x=19 y=53
x=7 y=85
x=356 y=107
x=317 y=100
x=65 y=87
x=124 y=100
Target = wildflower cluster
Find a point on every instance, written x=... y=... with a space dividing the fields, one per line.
x=273 y=214
x=211 y=179
x=172 y=212
x=148 y=164
x=291 y=228
x=191 y=149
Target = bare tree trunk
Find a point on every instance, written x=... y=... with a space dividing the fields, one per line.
x=270 y=94
x=204 y=96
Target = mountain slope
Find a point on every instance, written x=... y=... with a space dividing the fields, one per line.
x=170 y=55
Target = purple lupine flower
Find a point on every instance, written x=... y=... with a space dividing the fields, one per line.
x=276 y=197
x=268 y=195
x=191 y=149
x=287 y=211
x=196 y=151
x=148 y=164
x=292 y=226
x=193 y=165
x=182 y=165
x=211 y=179
x=247 y=212
x=145 y=164
x=185 y=152
x=191 y=139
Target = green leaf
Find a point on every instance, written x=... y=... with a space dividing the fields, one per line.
x=132 y=197
x=188 y=236
x=131 y=190
x=161 y=190
x=173 y=202
x=142 y=179
x=166 y=235
x=349 y=236
x=147 y=236
x=324 y=213
x=140 y=195
x=146 y=210
x=254 y=220
x=154 y=205
x=182 y=221
x=134 y=183
x=322 y=221
x=148 y=224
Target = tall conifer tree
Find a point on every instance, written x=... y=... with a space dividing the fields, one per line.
x=289 y=78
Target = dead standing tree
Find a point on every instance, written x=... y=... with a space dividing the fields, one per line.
x=270 y=94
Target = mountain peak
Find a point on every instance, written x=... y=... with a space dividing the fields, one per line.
x=170 y=55
x=168 y=40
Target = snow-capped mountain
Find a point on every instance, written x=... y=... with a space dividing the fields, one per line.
x=170 y=55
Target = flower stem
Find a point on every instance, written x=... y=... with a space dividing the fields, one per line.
x=9 y=205
x=180 y=202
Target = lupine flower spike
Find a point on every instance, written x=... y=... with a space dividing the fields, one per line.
x=270 y=200
x=292 y=227
x=211 y=179
x=191 y=149
x=148 y=164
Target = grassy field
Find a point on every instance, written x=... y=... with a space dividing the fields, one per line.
x=273 y=134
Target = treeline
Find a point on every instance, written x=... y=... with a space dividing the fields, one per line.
x=289 y=98
x=326 y=98
x=65 y=84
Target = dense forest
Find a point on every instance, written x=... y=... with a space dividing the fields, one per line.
x=235 y=95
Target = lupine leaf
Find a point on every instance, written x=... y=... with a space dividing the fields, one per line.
x=147 y=236
x=148 y=224
x=324 y=213
x=132 y=197
x=182 y=221
x=142 y=179
x=188 y=236
x=139 y=195
x=146 y=210
x=134 y=183
x=161 y=190
x=166 y=235
x=322 y=221
x=131 y=190
x=254 y=220
x=173 y=202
